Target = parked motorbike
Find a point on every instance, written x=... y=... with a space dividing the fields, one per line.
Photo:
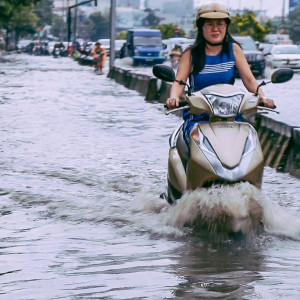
x=59 y=51
x=56 y=52
x=221 y=151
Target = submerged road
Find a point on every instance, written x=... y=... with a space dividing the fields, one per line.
x=83 y=161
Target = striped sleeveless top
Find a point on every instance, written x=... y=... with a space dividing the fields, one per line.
x=218 y=69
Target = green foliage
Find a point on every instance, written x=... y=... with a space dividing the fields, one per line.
x=43 y=10
x=168 y=30
x=57 y=25
x=248 y=25
x=122 y=35
x=8 y=8
x=17 y=16
x=24 y=21
x=294 y=18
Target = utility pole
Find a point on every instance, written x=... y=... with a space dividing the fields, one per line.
x=283 y=10
x=75 y=21
x=69 y=17
x=112 y=32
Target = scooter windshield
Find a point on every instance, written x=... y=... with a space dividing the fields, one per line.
x=224 y=106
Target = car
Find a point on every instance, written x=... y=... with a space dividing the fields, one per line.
x=170 y=43
x=23 y=45
x=118 y=46
x=105 y=43
x=278 y=39
x=265 y=47
x=254 y=56
x=144 y=46
x=284 y=56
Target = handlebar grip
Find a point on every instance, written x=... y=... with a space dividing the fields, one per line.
x=181 y=104
x=262 y=105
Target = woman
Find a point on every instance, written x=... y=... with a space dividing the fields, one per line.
x=213 y=59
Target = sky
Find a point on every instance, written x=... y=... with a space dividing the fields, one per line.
x=272 y=7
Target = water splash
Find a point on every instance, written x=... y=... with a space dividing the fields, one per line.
x=224 y=209
x=281 y=221
x=240 y=208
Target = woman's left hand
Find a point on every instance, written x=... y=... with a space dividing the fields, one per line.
x=266 y=102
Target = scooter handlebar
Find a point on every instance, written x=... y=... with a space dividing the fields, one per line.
x=181 y=104
x=262 y=105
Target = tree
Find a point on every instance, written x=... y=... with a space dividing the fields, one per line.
x=15 y=16
x=151 y=19
x=168 y=30
x=43 y=10
x=96 y=27
x=122 y=35
x=294 y=18
x=7 y=8
x=248 y=25
x=58 y=27
x=24 y=22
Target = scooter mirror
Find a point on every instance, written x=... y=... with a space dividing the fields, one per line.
x=282 y=75
x=164 y=72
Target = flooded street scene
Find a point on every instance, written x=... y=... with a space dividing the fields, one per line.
x=83 y=162
x=149 y=150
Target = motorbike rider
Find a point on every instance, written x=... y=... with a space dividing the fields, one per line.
x=212 y=59
x=60 y=46
x=99 y=55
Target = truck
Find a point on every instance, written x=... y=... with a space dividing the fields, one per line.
x=144 y=46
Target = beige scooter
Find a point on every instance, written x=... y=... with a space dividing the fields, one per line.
x=221 y=151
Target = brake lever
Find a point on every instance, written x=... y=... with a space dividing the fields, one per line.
x=267 y=109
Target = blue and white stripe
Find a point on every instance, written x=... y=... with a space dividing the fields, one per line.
x=218 y=68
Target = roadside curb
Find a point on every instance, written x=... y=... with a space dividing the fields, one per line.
x=280 y=142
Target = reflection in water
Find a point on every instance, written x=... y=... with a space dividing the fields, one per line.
x=219 y=271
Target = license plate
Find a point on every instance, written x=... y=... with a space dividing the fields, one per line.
x=149 y=59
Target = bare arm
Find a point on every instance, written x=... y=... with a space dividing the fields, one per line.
x=247 y=76
x=92 y=52
x=183 y=72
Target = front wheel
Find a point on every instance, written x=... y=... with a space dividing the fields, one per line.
x=172 y=194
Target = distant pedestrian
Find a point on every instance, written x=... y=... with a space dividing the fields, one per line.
x=99 y=55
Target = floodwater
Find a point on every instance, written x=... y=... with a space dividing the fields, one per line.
x=83 y=161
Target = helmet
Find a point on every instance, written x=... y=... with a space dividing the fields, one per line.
x=213 y=10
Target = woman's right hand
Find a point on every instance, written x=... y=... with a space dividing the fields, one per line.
x=173 y=102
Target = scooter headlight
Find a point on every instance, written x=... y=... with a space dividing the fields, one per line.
x=225 y=106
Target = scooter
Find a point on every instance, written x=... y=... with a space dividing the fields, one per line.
x=98 y=58
x=56 y=52
x=221 y=151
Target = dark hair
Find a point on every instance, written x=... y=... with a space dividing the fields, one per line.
x=198 y=48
